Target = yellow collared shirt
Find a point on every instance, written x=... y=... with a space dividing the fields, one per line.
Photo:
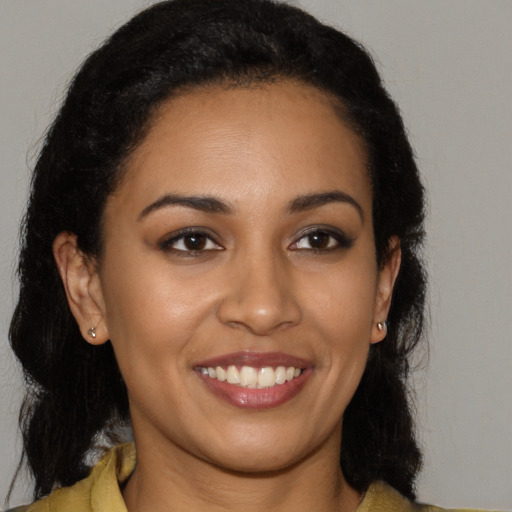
x=100 y=491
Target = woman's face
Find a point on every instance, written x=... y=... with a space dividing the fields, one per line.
x=239 y=246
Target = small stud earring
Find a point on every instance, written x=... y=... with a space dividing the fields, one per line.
x=381 y=326
x=92 y=332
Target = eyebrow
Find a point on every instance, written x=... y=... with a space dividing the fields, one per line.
x=310 y=201
x=202 y=203
x=208 y=204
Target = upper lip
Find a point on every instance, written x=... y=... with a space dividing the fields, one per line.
x=255 y=359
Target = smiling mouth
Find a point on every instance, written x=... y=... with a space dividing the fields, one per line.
x=252 y=377
x=252 y=380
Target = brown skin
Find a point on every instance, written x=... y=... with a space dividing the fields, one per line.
x=256 y=285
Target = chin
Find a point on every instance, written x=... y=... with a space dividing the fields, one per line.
x=251 y=463
x=259 y=455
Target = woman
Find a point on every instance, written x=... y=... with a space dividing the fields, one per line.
x=228 y=212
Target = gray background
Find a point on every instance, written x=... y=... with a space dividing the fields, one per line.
x=449 y=66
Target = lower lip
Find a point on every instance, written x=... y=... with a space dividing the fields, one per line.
x=265 y=398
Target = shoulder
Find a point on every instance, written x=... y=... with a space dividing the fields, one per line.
x=381 y=497
x=98 y=492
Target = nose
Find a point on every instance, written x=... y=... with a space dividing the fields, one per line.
x=260 y=296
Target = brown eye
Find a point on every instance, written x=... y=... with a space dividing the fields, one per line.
x=319 y=240
x=195 y=241
x=322 y=240
x=190 y=242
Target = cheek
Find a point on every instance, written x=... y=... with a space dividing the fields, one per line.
x=341 y=309
x=158 y=310
x=150 y=323
x=344 y=297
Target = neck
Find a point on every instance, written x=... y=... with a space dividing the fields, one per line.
x=171 y=480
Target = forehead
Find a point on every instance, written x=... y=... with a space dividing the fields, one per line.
x=249 y=142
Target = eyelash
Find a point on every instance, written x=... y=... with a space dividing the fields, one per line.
x=336 y=240
x=341 y=240
x=181 y=236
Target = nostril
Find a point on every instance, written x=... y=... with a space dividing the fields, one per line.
x=259 y=295
x=259 y=317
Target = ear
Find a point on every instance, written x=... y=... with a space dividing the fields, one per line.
x=385 y=283
x=83 y=289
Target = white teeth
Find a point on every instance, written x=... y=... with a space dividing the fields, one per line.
x=280 y=375
x=232 y=375
x=248 y=376
x=266 y=377
x=253 y=378
x=221 y=373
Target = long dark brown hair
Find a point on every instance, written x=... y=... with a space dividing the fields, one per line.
x=75 y=392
